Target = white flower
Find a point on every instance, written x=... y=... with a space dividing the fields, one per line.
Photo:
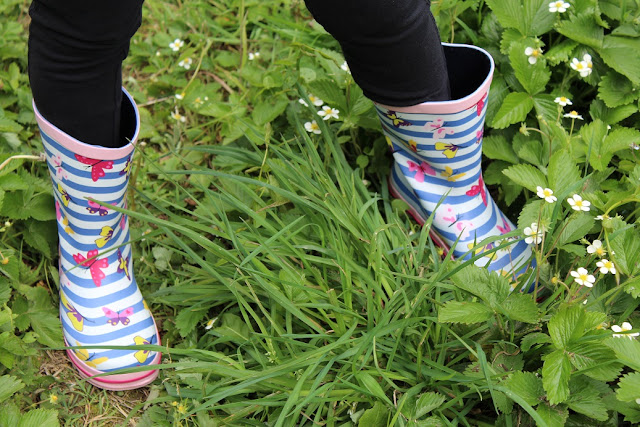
x=638 y=401
x=345 y=67
x=574 y=115
x=606 y=266
x=198 y=101
x=563 y=101
x=253 y=55
x=176 y=45
x=546 y=194
x=180 y=95
x=186 y=63
x=533 y=54
x=533 y=234
x=582 y=277
x=626 y=326
x=210 y=323
x=578 y=204
x=315 y=100
x=596 y=248
x=158 y=53
x=584 y=67
x=303 y=102
x=177 y=116
x=635 y=146
x=558 y=6
x=312 y=127
x=327 y=112
x=603 y=217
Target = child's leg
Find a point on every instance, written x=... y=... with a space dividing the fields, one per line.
x=76 y=49
x=392 y=47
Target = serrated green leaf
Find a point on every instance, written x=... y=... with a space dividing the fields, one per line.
x=598 y=110
x=372 y=386
x=573 y=228
x=616 y=90
x=583 y=29
x=615 y=53
x=560 y=52
x=8 y=386
x=545 y=106
x=268 y=109
x=521 y=307
x=526 y=385
x=39 y=417
x=593 y=135
x=553 y=415
x=233 y=329
x=556 y=371
x=597 y=358
x=374 y=417
x=514 y=109
x=629 y=387
x=585 y=399
x=187 y=319
x=490 y=287
x=626 y=248
x=427 y=402
x=562 y=172
x=464 y=312
x=627 y=351
x=529 y=17
x=527 y=176
x=498 y=148
x=532 y=339
x=566 y=325
x=47 y=326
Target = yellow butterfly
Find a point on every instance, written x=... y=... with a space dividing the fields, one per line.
x=87 y=359
x=483 y=249
x=449 y=150
x=65 y=196
x=65 y=224
x=413 y=145
x=389 y=143
x=395 y=120
x=107 y=234
x=448 y=173
x=74 y=315
x=141 y=355
x=144 y=304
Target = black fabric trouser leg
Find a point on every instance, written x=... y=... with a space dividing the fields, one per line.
x=392 y=48
x=76 y=49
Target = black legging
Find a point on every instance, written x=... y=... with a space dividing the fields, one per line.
x=76 y=49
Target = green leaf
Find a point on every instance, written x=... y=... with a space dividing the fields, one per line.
x=514 y=109
x=583 y=29
x=556 y=371
x=268 y=109
x=47 y=326
x=233 y=329
x=372 y=386
x=498 y=148
x=573 y=228
x=374 y=417
x=598 y=110
x=553 y=415
x=629 y=387
x=521 y=307
x=616 y=90
x=490 y=287
x=593 y=135
x=620 y=138
x=427 y=402
x=585 y=399
x=626 y=246
x=526 y=385
x=464 y=312
x=566 y=325
x=527 y=176
x=533 y=77
x=330 y=93
x=560 y=52
x=530 y=17
x=187 y=319
x=627 y=351
x=532 y=339
x=562 y=172
x=40 y=417
x=615 y=52
x=597 y=358
x=8 y=386
x=545 y=106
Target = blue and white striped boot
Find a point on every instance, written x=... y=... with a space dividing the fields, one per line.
x=437 y=150
x=100 y=303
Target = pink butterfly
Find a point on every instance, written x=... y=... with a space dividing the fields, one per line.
x=421 y=170
x=480 y=104
x=94 y=264
x=123 y=218
x=446 y=213
x=479 y=136
x=437 y=128
x=97 y=166
x=479 y=188
x=115 y=317
x=505 y=228
x=58 y=213
x=96 y=208
x=464 y=227
x=60 y=172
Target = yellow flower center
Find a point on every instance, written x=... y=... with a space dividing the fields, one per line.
x=547 y=193
x=578 y=203
x=600 y=251
x=536 y=53
x=583 y=277
x=608 y=265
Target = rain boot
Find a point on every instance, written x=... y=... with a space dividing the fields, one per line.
x=100 y=303
x=437 y=151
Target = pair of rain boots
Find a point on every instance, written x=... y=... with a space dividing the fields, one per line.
x=100 y=303
x=437 y=151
